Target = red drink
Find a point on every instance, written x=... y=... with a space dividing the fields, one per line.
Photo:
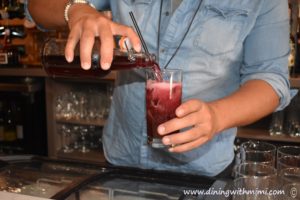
x=162 y=99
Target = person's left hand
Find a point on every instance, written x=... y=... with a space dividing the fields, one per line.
x=198 y=117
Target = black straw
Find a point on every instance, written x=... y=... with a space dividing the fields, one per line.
x=138 y=32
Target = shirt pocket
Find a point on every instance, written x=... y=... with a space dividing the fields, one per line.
x=220 y=29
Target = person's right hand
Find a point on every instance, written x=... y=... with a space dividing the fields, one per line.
x=86 y=23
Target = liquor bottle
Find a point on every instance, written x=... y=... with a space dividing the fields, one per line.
x=9 y=54
x=10 y=133
x=55 y=64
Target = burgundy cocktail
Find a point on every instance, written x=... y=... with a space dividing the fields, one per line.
x=162 y=99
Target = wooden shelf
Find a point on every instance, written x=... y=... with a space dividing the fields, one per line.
x=263 y=134
x=18 y=87
x=295 y=82
x=32 y=71
x=82 y=122
x=92 y=156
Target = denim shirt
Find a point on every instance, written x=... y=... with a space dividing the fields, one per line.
x=228 y=44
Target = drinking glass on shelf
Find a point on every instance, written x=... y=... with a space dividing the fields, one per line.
x=68 y=110
x=92 y=105
x=76 y=136
x=288 y=156
x=292 y=118
x=59 y=105
x=83 y=105
x=106 y=106
x=84 y=147
x=277 y=122
x=66 y=139
x=257 y=151
x=73 y=96
x=95 y=107
x=108 y=99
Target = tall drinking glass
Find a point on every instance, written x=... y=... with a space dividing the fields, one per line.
x=163 y=96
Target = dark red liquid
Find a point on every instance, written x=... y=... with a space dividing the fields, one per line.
x=57 y=66
x=162 y=99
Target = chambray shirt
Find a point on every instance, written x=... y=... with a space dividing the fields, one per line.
x=229 y=43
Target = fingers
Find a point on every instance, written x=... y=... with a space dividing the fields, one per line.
x=86 y=45
x=106 y=49
x=195 y=118
x=195 y=133
x=182 y=137
x=177 y=124
x=188 y=107
x=187 y=114
x=72 y=41
x=86 y=31
x=189 y=146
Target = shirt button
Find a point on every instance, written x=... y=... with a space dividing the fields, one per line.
x=167 y=13
x=162 y=50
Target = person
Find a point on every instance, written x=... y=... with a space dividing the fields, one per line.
x=234 y=57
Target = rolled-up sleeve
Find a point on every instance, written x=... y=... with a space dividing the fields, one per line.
x=266 y=50
x=26 y=11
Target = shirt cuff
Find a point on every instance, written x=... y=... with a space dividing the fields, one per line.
x=29 y=18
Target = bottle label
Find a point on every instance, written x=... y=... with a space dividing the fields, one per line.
x=123 y=43
x=20 y=134
x=3 y=58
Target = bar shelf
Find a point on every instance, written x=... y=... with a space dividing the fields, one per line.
x=82 y=122
x=263 y=134
x=93 y=156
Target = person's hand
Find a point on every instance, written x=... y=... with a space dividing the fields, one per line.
x=86 y=23
x=198 y=117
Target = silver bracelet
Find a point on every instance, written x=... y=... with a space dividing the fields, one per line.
x=72 y=2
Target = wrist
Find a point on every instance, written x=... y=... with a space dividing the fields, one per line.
x=74 y=3
x=218 y=119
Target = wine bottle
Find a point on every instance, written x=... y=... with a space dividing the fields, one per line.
x=55 y=64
